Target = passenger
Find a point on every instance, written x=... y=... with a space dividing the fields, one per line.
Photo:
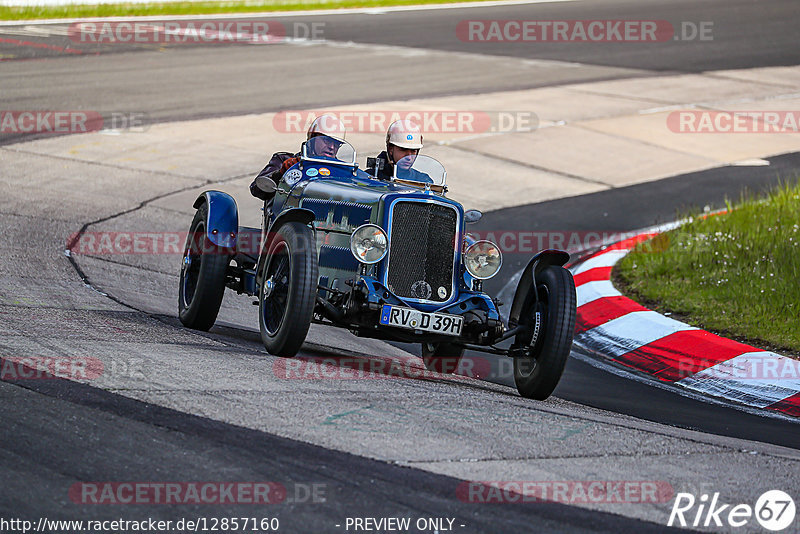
x=403 y=138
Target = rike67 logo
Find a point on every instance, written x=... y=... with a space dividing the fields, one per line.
x=774 y=510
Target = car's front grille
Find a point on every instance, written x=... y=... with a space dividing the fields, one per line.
x=422 y=250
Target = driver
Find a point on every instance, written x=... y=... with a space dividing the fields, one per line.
x=403 y=138
x=323 y=139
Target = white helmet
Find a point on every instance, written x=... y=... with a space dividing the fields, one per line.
x=327 y=124
x=405 y=134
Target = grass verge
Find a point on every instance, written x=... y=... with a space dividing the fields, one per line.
x=194 y=8
x=737 y=274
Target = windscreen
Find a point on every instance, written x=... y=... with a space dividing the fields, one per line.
x=326 y=148
x=421 y=169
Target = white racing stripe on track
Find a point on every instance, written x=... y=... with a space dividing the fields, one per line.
x=410 y=51
x=31 y=30
x=591 y=291
x=606 y=259
x=273 y=14
x=754 y=378
x=622 y=372
x=629 y=332
x=14 y=28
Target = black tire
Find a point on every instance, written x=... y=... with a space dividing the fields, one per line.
x=441 y=357
x=202 y=282
x=288 y=290
x=537 y=376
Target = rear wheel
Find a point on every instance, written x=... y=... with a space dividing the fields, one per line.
x=441 y=357
x=288 y=289
x=537 y=374
x=203 y=272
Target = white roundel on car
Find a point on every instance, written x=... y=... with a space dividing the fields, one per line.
x=292 y=175
x=442 y=292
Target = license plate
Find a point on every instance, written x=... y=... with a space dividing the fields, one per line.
x=441 y=323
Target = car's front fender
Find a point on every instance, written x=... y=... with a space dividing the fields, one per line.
x=539 y=262
x=301 y=215
x=222 y=224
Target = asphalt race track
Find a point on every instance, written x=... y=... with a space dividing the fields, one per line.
x=250 y=80
x=172 y=405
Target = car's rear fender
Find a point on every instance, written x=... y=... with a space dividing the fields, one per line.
x=524 y=297
x=222 y=224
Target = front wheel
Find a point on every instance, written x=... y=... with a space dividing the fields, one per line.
x=536 y=375
x=441 y=357
x=288 y=289
x=203 y=271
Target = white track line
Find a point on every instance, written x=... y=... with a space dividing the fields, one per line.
x=630 y=332
x=753 y=378
x=281 y=14
x=604 y=259
x=605 y=365
x=598 y=289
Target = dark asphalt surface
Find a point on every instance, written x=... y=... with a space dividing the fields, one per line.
x=65 y=433
x=189 y=81
x=746 y=33
x=743 y=34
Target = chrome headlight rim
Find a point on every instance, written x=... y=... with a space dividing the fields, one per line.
x=354 y=244
x=476 y=246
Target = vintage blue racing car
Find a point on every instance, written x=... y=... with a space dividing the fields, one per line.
x=385 y=259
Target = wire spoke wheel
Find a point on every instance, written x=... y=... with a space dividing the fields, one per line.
x=190 y=266
x=288 y=289
x=202 y=279
x=276 y=289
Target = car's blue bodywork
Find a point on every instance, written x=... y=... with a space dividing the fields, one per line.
x=335 y=200
x=222 y=225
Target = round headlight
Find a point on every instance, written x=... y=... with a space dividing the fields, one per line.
x=369 y=243
x=483 y=260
